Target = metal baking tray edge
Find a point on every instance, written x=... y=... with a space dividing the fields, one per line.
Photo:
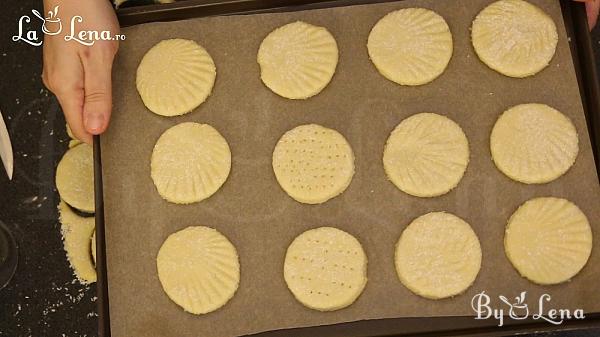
x=589 y=86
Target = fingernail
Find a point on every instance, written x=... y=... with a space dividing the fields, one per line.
x=94 y=123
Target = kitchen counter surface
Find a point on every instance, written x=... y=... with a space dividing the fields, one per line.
x=44 y=299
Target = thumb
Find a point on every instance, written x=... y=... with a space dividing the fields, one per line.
x=592 y=7
x=97 y=103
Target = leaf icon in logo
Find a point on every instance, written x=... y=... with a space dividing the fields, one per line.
x=521 y=298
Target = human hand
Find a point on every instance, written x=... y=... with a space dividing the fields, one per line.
x=592 y=7
x=80 y=75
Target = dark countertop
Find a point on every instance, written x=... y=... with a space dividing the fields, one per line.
x=43 y=299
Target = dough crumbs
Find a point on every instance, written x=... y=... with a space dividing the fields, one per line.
x=175 y=77
x=548 y=240
x=75 y=178
x=325 y=268
x=297 y=60
x=514 y=37
x=198 y=269
x=313 y=164
x=426 y=155
x=438 y=256
x=534 y=143
x=190 y=162
x=77 y=233
x=411 y=46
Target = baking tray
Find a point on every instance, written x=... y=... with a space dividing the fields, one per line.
x=582 y=53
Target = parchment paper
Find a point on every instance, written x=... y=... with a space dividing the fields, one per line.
x=261 y=220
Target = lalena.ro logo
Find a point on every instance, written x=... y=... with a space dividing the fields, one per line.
x=518 y=309
x=52 y=25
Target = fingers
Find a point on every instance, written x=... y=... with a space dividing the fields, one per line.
x=97 y=106
x=64 y=77
x=592 y=8
x=72 y=105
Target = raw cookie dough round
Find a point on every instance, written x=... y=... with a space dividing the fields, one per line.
x=411 y=46
x=297 y=60
x=534 y=143
x=77 y=233
x=426 y=155
x=198 y=269
x=75 y=178
x=438 y=256
x=514 y=37
x=548 y=240
x=313 y=164
x=325 y=268
x=190 y=162
x=175 y=76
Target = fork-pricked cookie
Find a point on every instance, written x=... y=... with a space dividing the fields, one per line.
x=325 y=268
x=313 y=164
x=438 y=255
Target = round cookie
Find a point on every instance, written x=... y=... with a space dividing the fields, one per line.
x=534 y=143
x=297 y=60
x=313 y=164
x=77 y=232
x=411 y=46
x=325 y=268
x=438 y=256
x=514 y=37
x=190 y=162
x=75 y=178
x=198 y=269
x=175 y=76
x=548 y=240
x=426 y=155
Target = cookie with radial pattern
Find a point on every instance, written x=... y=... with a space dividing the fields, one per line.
x=199 y=269
x=175 y=77
x=426 y=155
x=534 y=143
x=548 y=240
x=411 y=46
x=190 y=162
x=514 y=37
x=297 y=60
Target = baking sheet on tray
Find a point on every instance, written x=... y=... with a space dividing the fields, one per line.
x=261 y=220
